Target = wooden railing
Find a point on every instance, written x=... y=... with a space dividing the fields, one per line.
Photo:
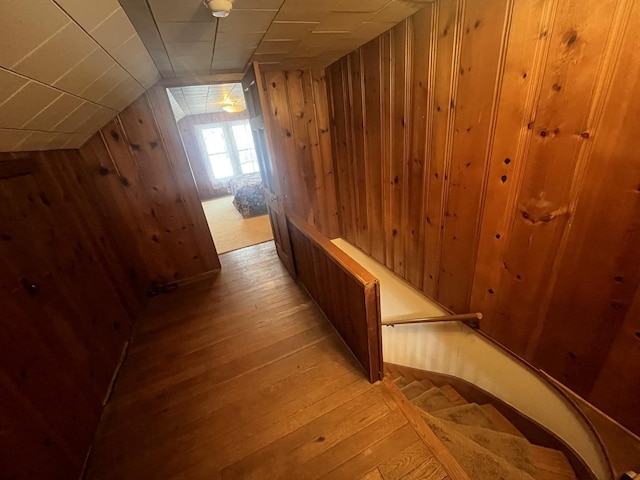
x=348 y=294
x=471 y=319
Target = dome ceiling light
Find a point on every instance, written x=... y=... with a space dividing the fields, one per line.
x=219 y=8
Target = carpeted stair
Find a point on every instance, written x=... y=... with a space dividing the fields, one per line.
x=482 y=440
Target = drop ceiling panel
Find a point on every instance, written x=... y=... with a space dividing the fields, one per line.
x=313 y=33
x=187 y=31
x=197 y=100
x=66 y=68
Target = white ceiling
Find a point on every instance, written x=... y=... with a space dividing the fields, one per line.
x=66 y=68
x=184 y=39
x=197 y=100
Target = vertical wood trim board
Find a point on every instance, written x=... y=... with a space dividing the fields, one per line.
x=509 y=183
x=346 y=293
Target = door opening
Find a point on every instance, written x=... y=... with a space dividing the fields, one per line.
x=213 y=122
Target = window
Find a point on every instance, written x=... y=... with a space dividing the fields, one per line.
x=230 y=148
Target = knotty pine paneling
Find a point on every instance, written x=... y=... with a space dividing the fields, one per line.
x=497 y=170
x=139 y=160
x=68 y=303
x=208 y=186
x=299 y=117
x=82 y=236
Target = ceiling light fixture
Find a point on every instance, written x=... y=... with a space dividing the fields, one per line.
x=232 y=107
x=219 y=8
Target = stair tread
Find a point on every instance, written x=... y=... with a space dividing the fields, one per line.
x=514 y=450
x=478 y=461
x=471 y=414
x=432 y=400
x=401 y=382
x=453 y=395
x=414 y=389
x=551 y=464
x=500 y=420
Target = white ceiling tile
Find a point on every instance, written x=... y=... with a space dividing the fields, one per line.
x=52 y=115
x=247 y=21
x=76 y=119
x=35 y=141
x=142 y=19
x=290 y=30
x=396 y=11
x=113 y=31
x=179 y=11
x=25 y=104
x=281 y=46
x=358 y=5
x=189 y=66
x=88 y=13
x=341 y=22
x=135 y=59
x=187 y=31
x=59 y=54
x=105 y=82
x=85 y=72
x=10 y=83
x=190 y=49
x=10 y=139
x=233 y=40
x=116 y=98
x=23 y=30
x=257 y=4
x=98 y=120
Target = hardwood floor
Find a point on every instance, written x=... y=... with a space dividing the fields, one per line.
x=241 y=376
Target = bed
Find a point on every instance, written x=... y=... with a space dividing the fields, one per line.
x=248 y=195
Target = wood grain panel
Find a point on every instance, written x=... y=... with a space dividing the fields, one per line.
x=83 y=234
x=509 y=174
x=299 y=109
x=479 y=69
x=67 y=311
x=347 y=294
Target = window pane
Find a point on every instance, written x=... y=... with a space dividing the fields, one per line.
x=242 y=135
x=214 y=140
x=221 y=165
x=248 y=161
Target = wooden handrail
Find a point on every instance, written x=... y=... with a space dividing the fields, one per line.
x=472 y=319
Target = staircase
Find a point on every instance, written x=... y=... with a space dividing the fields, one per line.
x=485 y=444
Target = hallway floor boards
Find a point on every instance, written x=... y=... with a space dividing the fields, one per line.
x=241 y=376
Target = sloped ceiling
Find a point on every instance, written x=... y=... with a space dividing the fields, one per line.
x=185 y=40
x=69 y=66
x=66 y=68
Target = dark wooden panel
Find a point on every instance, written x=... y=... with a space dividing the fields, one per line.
x=347 y=294
x=82 y=236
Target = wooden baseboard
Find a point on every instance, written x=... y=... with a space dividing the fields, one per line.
x=196 y=278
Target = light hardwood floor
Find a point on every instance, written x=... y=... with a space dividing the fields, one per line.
x=241 y=376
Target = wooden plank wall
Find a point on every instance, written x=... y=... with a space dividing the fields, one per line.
x=347 y=294
x=300 y=127
x=497 y=170
x=208 y=186
x=152 y=192
x=82 y=235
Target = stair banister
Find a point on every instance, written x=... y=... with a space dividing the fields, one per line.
x=471 y=319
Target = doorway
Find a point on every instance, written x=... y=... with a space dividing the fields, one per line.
x=214 y=125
